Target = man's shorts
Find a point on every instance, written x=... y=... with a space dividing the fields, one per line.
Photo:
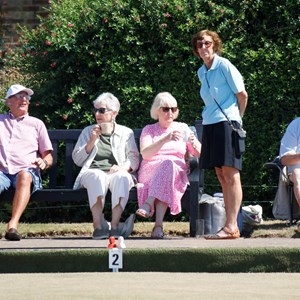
x=8 y=180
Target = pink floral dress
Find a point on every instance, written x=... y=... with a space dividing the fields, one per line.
x=164 y=176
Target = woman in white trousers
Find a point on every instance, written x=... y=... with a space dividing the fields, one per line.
x=108 y=157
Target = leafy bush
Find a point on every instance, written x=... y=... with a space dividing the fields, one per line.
x=126 y=47
x=137 y=48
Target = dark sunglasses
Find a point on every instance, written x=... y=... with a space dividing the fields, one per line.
x=101 y=110
x=206 y=44
x=166 y=109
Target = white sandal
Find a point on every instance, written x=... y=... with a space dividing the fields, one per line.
x=142 y=212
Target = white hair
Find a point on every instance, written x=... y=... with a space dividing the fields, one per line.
x=109 y=100
x=161 y=100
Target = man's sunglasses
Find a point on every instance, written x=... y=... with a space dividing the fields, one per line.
x=166 y=109
x=101 y=110
x=22 y=96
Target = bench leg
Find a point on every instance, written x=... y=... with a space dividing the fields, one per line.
x=194 y=208
x=291 y=202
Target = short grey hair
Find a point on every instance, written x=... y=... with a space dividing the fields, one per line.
x=109 y=100
x=161 y=100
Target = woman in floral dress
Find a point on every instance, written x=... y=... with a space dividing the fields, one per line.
x=163 y=173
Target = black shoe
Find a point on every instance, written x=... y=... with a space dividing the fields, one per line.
x=115 y=233
x=128 y=226
x=100 y=234
x=13 y=235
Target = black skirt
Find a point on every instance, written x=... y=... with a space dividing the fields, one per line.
x=218 y=147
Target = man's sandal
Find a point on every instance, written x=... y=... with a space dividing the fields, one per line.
x=230 y=235
x=143 y=212
x=157 y=232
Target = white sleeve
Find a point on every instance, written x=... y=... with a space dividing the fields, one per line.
x=290 y=142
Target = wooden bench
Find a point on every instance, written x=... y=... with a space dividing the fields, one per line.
x=64 y=140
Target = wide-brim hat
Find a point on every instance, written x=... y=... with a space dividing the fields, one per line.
x=17 y=88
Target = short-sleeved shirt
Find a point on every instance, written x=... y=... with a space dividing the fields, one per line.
x=290 y=142
x=222 y=81
x=22 y=141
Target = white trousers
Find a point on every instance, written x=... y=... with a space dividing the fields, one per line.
x=98 y=182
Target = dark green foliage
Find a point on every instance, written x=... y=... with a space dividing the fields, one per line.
x=137 y=48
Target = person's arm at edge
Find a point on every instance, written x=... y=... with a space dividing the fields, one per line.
x=290 y=159
x=242 y=99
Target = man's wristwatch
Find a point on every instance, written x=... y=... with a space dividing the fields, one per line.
x=46 y=163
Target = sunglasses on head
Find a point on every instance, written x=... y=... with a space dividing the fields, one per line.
x=101 y=110
x=166 y=109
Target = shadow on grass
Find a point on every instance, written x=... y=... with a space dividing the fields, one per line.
x=274 y=226
x=271 y=228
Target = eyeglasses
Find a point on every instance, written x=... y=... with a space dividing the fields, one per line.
x=167 y=109
x=206 y=44
x=101 y=110
x=22 y=96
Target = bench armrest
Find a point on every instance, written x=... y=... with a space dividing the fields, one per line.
x=193 y=163
x=276 y=165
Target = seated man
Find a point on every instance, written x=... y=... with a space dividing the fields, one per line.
x=290 y=155
x=25 y=149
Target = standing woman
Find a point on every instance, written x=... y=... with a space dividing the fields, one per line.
x=223 y=92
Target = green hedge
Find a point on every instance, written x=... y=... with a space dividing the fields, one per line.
x=137 y=48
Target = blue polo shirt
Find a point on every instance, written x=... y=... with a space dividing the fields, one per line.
x=222 y=81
